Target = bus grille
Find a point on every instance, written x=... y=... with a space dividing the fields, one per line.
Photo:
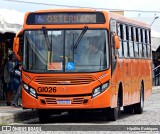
x=64 y=80
x=74 y=101
x=77 y=101
x=50 y=101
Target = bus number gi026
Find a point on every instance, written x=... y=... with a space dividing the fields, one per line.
x=47 y=89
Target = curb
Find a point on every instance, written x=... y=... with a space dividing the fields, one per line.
x=6 y=118
x=25 y=115
x=155 y=89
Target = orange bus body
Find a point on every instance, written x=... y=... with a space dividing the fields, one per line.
x=127 y=77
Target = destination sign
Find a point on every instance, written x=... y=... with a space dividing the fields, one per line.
x=65 y=18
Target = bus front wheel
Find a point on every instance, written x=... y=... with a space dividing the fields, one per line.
x=113 y=113
x=44 y=115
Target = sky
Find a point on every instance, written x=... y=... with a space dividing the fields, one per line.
x=127 y=5
x=153 y=5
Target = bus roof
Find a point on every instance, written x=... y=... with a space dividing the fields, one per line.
x=124 y=19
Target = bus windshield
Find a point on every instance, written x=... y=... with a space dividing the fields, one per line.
x=91 y=53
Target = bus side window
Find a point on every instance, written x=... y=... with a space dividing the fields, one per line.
x=119 y=33
x=135 y=37
x=131 y=51
x=144 y=43
x=148 y=44
x=140 y=43
x=125 y=41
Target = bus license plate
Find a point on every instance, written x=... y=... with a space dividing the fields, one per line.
x=63 y=102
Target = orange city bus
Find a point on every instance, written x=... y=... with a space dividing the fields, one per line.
x=84 y=59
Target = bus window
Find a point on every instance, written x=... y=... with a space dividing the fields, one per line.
x=144 y=43
x=38 y=50
x=131 y=51
x=35 y=50
x=125 y=42
x=147 y=43
x=147 y=37
x=149 y=51
x=136 y=48
x=91 y=45
x=140 y=43
x=56 y=58
x=119 y=33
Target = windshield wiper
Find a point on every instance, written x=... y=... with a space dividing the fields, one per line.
x=48 y=44
x=80 y=37
x=46 y=38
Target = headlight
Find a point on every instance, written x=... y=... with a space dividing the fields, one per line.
x=100 y=89
x=33 y=92
x=30 y=90
x=96 y=92
x=104 y=86
x=25 y=86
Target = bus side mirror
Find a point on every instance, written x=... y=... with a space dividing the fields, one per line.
x=116 y=42
x=16 y=48
x=16 y=44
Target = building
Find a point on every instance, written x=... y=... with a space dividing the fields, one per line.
x=11 y=22
x=155 y=41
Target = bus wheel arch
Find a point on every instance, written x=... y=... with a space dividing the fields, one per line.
x=120 y=94
x=138 y=108
x=120 y=98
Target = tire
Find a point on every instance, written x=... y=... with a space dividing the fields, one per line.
x=138 y=108
x=113 y=113
x=44 y=116
x=128 y=109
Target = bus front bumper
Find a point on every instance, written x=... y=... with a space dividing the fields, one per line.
x=80 y=102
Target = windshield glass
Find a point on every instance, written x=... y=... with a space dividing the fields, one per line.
x=59 y=51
